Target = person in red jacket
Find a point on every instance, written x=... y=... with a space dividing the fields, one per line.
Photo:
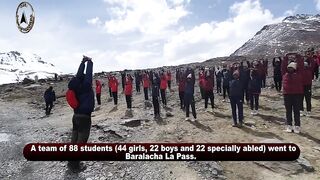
x=146 y=85
x=109 y=84
x=181 y=87
x=98 y=91
x=292 y=82
x=128 y=91
x=169 y=78
x=308 y=72
x=114 y=89
x=163 y=87
x=208 y=89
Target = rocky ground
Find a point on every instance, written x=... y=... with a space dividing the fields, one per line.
x=22 y=121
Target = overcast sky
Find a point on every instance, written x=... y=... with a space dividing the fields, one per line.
x=131 y=34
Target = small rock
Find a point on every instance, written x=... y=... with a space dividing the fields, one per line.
x=305 y=164
x=88 y=178
x=110 y=174
x=169 y=114
x=122 y=174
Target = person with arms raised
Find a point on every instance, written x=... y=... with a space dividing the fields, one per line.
x=81 y=85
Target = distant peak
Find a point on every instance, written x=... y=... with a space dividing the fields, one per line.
x=302 y=17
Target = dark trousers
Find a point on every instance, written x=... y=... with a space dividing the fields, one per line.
x=202 y=92
x=110 y=93
x=189 y=100
x=163 y=96
x=181 y=97
x=98 y=98
x=169 y=84
x=219 y=87
x=246 y=95
x=115 y=97
x=254 y=101
x=145 y=90
x=236 y=102
x=277 y=83
x=49 y=106
x=225 y=91
x=209 y=95
x=81 y=125
x=156 y=106
x=292 y=102
x=307 y=96
x=138 y=87
x=263 y=81
x=129 y=101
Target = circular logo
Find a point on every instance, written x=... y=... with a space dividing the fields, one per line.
x=25 y=17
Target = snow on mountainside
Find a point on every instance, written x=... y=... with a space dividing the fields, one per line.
x=15 y=66
x=294 y=33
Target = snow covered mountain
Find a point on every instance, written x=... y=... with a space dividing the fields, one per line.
x=294 y=33
x=15 y=66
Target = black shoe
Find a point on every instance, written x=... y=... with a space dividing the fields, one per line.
x=235 y=125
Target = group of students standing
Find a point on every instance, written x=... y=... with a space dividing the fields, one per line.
x=293 y=74
x=238 y=83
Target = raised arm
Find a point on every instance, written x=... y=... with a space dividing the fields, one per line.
x=284 y=65
x=81 y=69
x=88 y=76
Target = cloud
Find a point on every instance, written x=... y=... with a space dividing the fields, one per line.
x=293 y=11
x=143 y=16
x=94 y=21
x=317 y=4
x=215 y=39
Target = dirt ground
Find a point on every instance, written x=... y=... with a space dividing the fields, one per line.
x=23 y=120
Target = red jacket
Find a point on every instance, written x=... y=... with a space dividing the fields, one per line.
x=208 y=85
x=146 y=81
x=292 y=82
x=114 y=84
x=98 y=87
x=128 y=87
x=261 y=70
x=182 y=85
x=163 y=82
x=308 y=72
x=201 y=80
x=169 y=76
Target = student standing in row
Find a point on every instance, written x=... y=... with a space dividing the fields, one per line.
x=292 y=89
x=128 y=91
x=254 y=89
x=226 y=78
x=155 y=95
x=163 y=87
x=169 y=78
x=219 y=76
x=236 y=92
x=98 y=91
x=114 y=89
x=181 y=84
x=208 y=89
x=308 y=72
x=277 y=77
x=146 y=85
x=189 y=96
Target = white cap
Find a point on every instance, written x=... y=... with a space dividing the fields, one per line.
x=293 y=65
